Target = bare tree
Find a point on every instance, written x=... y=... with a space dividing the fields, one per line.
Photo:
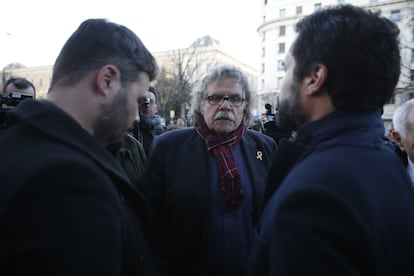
x=179 y=71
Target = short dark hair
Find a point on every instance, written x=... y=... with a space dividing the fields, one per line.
x=360 y=50
x=20 y=83
x=98 y=42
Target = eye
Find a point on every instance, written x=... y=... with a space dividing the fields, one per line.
x=235 y=98
x=215 y=97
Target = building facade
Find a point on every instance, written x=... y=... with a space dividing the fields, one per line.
x=277 y=33
x=198 y=58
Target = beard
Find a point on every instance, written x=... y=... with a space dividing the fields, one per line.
x=291 y=113
x=111 y=124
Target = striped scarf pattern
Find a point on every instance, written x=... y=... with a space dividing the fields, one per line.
x=221 y=147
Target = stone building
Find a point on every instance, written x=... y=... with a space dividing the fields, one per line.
x=276 y=33
x=199 y=56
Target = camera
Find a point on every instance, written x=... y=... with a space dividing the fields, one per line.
x=11 y=100
x=14 y=98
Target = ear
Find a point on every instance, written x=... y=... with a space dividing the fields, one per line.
x=316 y=79
x=107 y=79
x=397 y=138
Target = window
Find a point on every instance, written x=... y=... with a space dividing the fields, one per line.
x=282 y=30
x=410 y=95
x=298 y=10
x=263 y=51
x=318 y=6
x=395 y=15
x=412 y=55
x=263 y=84
x=265 y=1
x=263 y=68
x=280 y=65
x=412 y=75
x=279 y=81
x=282 y=12
x=264 y=36
x=281 y=48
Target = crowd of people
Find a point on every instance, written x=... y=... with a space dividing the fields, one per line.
x=92 y=183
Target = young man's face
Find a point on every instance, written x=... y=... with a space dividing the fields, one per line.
x=291 y=112
x=117 y=117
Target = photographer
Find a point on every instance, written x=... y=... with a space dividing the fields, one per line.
x=271 y=126
x=20 y=85
x=14 y=91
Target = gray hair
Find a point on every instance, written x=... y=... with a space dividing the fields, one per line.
x=400 y=119
x=214 y=74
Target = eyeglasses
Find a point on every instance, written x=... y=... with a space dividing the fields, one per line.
x=234 y=100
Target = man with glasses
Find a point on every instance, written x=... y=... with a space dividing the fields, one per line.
x=205 y=183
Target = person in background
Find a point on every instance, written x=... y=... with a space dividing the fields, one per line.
x=20 y=85
x=149 y=124
x=403 y=134
x=131 y=155
x=180 y=123
x=169 y=125
x=9 y=100
x=345 y=205
x=66 y=205
x=150 y=109
x=205 y=183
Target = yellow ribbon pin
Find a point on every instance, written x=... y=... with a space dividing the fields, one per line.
x=259 y=155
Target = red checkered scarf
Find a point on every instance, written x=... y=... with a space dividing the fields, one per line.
x=229 y=174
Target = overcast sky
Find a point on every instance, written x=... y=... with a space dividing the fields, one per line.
x=32 y=32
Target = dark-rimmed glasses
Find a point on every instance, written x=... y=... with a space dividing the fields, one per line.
x=234 y=100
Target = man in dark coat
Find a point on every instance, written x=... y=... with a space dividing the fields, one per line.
x=206 y=183
x=346 y=205
x=66 y=205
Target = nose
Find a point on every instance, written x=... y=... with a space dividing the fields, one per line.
x=225 y=104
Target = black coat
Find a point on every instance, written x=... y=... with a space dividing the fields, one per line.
x=178 y=190
x=66 y=206
x=346 y=207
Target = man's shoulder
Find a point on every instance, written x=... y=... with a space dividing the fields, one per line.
x=177 y=136
x=259 y=137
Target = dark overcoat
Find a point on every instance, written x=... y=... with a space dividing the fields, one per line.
x=66 y=206
x=345 y=208
x=178 y=190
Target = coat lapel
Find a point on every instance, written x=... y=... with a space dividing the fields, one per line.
x=198 y=170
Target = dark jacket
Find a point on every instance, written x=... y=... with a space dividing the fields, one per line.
x=66 y=206
x=131 y=155
x=178 y=190
x=345 y=208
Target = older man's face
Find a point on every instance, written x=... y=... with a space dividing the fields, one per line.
x=225 y=116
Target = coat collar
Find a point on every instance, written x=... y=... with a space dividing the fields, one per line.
x=58 y=125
